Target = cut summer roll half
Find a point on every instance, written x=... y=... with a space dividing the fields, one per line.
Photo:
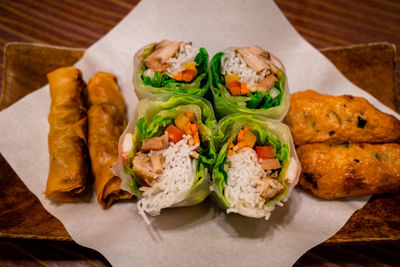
x=249 y=80
x=165 y=152
x=256 y=166
x=171 y=67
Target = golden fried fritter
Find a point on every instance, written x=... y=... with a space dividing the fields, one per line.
x=350 y=170
x=316 y=118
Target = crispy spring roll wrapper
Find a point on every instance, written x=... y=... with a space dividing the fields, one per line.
x=198 y=86
x=67 y=136
x=350 y=170
x=225 y=103
x=317 y=118
x=107 y=121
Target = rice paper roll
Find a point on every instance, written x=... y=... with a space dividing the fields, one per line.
x=171 y=67
x=165 y=152
x=249 y=80
x=107 y=121
x=256 y=166
x=67 y=137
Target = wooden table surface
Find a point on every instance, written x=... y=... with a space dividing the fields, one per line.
x=76 y=23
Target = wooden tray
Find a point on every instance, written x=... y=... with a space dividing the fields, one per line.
x=371 y=67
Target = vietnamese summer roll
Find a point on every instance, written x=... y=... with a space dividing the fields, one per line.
x=165 y=152
x=171 y=67
x=249 y=80
x=256 y=167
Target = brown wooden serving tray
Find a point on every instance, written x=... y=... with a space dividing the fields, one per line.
x=371 y=67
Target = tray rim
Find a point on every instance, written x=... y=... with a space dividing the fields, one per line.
x=68 y=238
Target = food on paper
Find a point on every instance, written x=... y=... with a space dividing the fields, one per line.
x=334 y=171
x=107 y=121
x=171 y=67
x=256 y=166
x=67 y=136
x=318 y=118
x=165 y=152
x=249 y=80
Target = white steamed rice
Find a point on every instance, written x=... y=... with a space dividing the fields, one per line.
x=174 y=183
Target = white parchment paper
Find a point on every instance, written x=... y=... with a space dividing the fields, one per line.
x=200 y=235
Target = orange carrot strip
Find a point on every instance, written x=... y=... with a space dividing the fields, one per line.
x=232 y=84
x=193 y=127
x=187 y=77
x=196 y=138
x=235 y=90
x=230 y=152
x=243 y=89
x=240 y=135
x=190 y=115
x=187 y=129
x=178 y=76
x=239 y=146
x=190 y=72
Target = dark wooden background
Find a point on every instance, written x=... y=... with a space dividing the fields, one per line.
x=75 y=23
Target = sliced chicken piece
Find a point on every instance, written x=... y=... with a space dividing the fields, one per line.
x=268 y=82
x=141 y=166
x=163 y=51
x=270 y=191
x=155 y=143
x=146 y=168
x=156 y=162
x=270 y=164
x=255 y=57
x=165 y=140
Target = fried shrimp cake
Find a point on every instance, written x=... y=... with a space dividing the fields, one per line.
x=350 y=170
x=317 y=118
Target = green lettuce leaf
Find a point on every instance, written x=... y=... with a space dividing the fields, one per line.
x=155 y=114
x=162 y=83
x=258 y=103
x=268 y=132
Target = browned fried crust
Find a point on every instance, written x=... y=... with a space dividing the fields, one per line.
x=67 y=136
x=317 y=118
x=349 y=170
x=106 y=122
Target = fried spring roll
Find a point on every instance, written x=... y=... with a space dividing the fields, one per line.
x=67 y=136
x=350 y=170
x=106 y=123
x=316 y=118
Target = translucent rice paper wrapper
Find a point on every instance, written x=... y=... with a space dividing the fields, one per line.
x=229 y=127
x=223 y=106
x=171 y=104
x=144 y=90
